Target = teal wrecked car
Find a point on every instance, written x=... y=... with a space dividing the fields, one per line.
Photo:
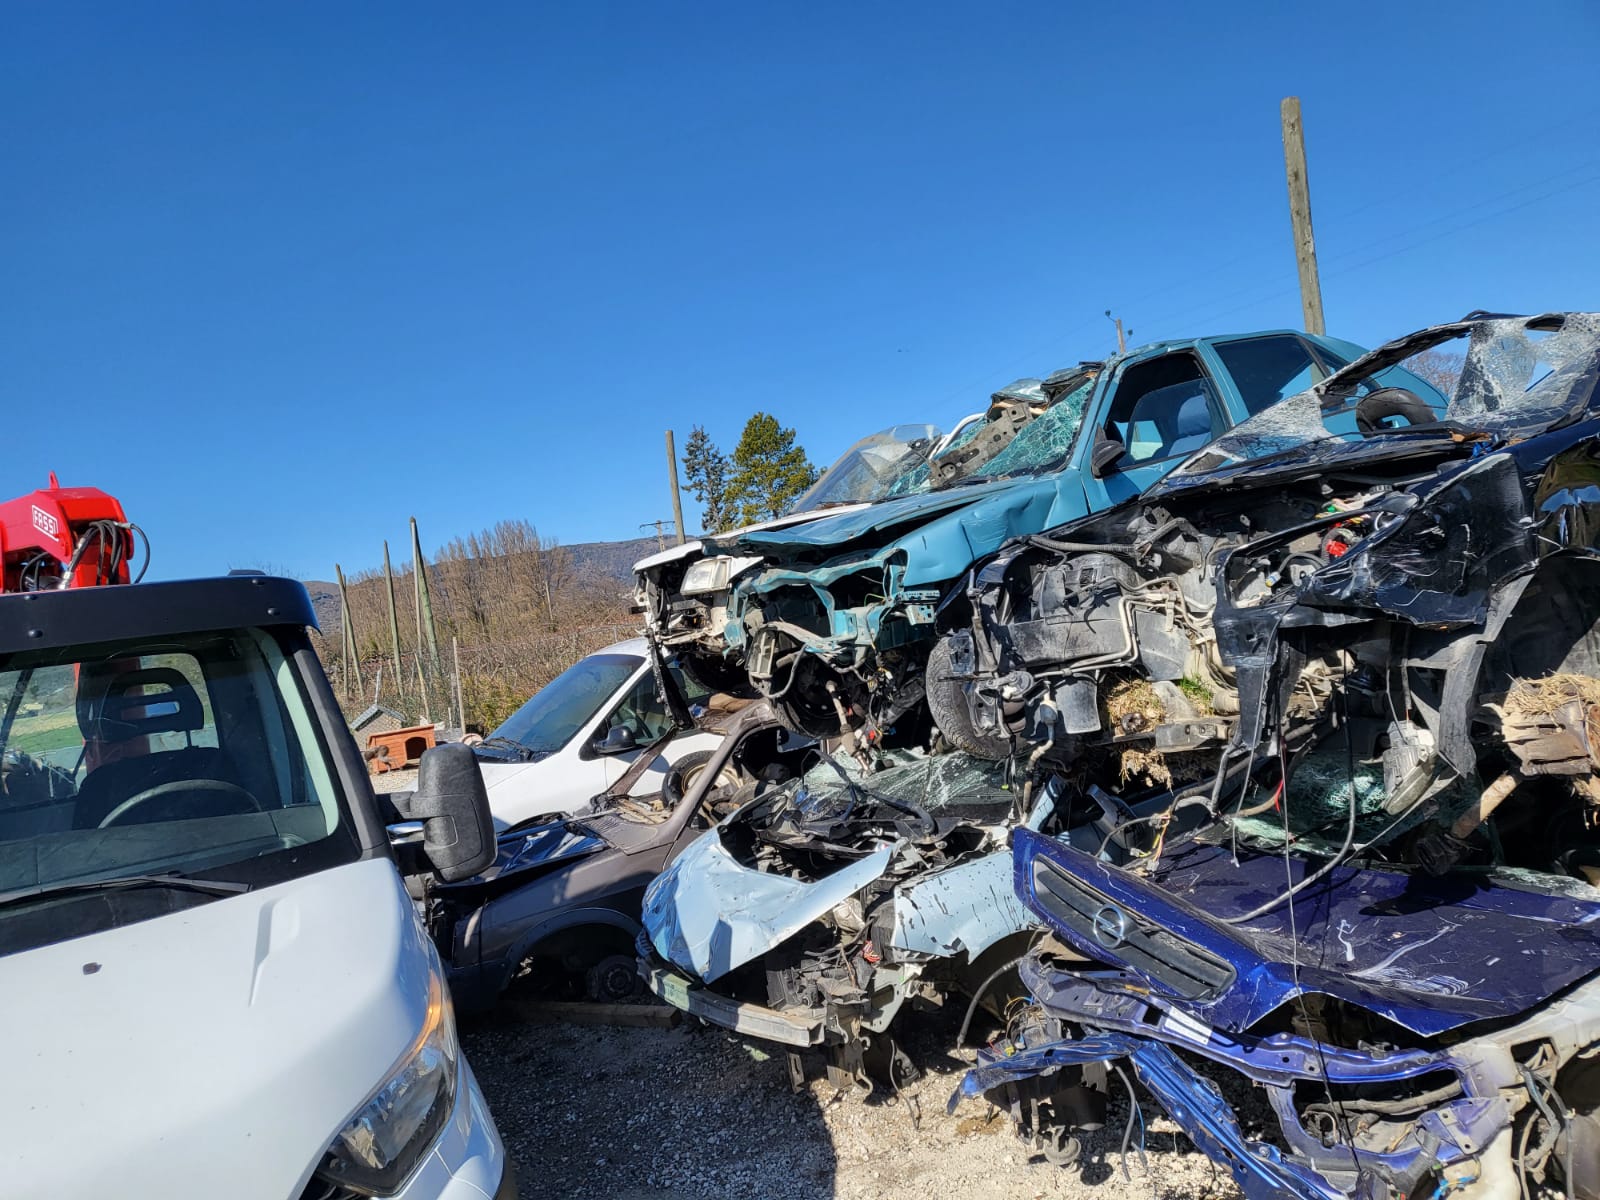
x=829 y=613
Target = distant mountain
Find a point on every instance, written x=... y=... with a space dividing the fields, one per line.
x=612 y=560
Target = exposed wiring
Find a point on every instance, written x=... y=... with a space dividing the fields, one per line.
x=1135 y=1111
x=982 y=991
x=1556 y=1117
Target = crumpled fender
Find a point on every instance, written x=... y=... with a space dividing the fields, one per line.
x=1190 y=1099
x=707 y=913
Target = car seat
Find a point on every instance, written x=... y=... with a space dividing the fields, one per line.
x=114 y=711
x=1170 y=421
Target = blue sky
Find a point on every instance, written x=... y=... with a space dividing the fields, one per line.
x=282 y=275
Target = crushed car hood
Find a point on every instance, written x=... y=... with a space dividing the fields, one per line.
x=709 y=914
x=712 y=542
x=1432 y=954
x=841 y=527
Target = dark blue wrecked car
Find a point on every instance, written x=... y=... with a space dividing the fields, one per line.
x=1362 y=679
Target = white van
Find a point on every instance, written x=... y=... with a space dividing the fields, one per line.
x=581 y=732
x=212 y=979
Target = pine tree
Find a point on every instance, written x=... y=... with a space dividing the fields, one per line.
x=769 y=471
x=705 y=468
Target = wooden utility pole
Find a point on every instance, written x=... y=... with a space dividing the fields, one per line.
x=353 y=682
x=672 y=474
x=425 y=625
x=1122 y=340
x=394 y=616
x=658 y=526
x=425 y=634
x=1305 y=245
x=461 y=708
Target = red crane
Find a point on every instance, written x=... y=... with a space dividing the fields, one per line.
x=59 y=537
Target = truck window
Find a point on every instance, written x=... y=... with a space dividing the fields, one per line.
x=1268 y=369
x=1164 y=407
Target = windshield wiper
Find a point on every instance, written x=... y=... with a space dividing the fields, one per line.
x=510 y=744
x=170 y=879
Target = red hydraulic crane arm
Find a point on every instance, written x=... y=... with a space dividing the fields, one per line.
x=64 y=537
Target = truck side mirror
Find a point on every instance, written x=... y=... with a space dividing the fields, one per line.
x=1107 y=452
x=619 y=739
x=453 y=806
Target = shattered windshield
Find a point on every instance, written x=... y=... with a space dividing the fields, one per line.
x=868 y=470
x=1044 y=443
x=1495 y=374
x=955 y=786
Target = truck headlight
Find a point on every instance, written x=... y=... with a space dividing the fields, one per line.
x=381 y=1145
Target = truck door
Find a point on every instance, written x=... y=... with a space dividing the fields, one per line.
x=1160 y=410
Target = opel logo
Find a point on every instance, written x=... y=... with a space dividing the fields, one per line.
x=1110 y=926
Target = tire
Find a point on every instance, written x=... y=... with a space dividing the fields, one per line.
x=687 y=770
x=947 y=703
x=1376 y=407
x=612 y=979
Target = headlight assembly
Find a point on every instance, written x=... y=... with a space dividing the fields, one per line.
x=382 y=1144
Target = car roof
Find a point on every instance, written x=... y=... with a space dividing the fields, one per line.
x=633 y=645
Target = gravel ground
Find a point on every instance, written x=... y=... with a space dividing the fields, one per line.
x=664 y=1114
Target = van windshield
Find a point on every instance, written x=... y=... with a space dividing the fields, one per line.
x=565 y=705
x=194 y=759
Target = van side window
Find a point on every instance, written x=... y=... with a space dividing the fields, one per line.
x=641 y=712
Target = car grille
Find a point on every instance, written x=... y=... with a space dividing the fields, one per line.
x=1160 y=955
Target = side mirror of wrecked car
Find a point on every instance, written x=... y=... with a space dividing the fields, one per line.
x=452 y=804
x=618 y=740
x=1107 y=452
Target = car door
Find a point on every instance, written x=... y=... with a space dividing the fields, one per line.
x=1159 y=409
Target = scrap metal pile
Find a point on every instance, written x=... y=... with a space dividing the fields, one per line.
x=1256 y=726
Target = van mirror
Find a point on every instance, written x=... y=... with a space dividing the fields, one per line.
x=453 y=806
x=619 y=739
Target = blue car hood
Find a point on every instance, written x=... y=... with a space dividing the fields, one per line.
x=948 y=541
x=847 y=527
x=1431 y=953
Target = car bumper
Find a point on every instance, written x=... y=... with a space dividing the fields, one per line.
x=468 y=1162
x=677 y=989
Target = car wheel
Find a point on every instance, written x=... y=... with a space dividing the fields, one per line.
x=613 y=979
x=686 y=772
x=947 y=703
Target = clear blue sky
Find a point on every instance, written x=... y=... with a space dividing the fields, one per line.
x=244 y=244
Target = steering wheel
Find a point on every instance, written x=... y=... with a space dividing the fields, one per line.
x=243 y=800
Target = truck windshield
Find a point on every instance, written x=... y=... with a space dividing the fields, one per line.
x=566 y=704
x=137 y=778
x=870 y=469
x=1044 y=445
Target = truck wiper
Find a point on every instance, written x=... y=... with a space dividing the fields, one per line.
x=169 y=879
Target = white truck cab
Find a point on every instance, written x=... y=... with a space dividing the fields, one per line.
x=579 y=734
x=214 y=981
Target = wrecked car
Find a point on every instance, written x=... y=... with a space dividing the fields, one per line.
x=830 y=902
x=1361 y=679
x=561 y=901
x=581 y=732
x=684 y=591
x=836 y=622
